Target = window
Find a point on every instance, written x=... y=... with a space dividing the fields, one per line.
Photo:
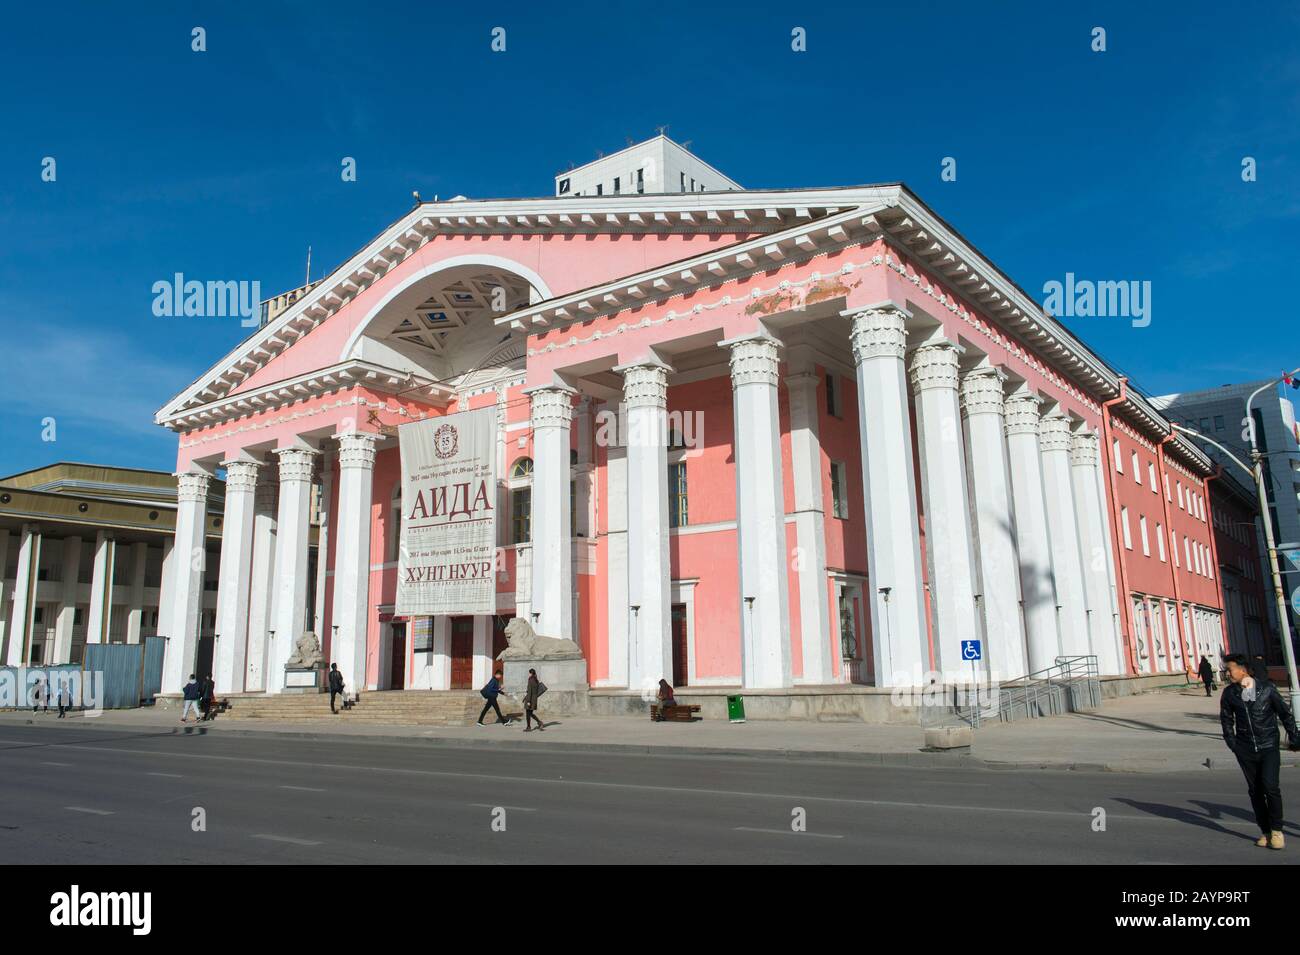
x=1128 y=533
x=640 y=180
x=1173 y=545
x=1137 y=469
x=600 y=188
x=839 y=490
x=393 y=532
x=1160 y=542
x=1151 y=473
x=522 y=470
x=521 y=515
x=1218 y=422
x=683 y=175
x=1168 y=496
x=1115 y=454
x=1180 y=495
x=692 y=183
x=1205 y=424
x=618 y=188
x=1142 y=529
x=1187 y=553
x=677 y=504
x=832 y=396
x=564 y=187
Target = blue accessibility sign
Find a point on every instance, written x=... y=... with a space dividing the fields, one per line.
x=970 y=650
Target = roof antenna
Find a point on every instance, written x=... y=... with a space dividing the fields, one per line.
x=663 y=130
x=415 y=194
x=308 y=282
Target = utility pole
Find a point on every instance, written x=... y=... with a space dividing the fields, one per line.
x=1257 y=476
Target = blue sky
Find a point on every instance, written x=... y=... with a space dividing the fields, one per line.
x=1122 y=165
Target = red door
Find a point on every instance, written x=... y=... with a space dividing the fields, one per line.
x=462 y=652
x=397 y=666
x=679 y=645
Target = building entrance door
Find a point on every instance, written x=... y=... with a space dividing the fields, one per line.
x=462 y=652
x=397 y=662
x=679 y=631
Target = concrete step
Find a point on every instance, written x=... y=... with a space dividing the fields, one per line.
x=397 y=707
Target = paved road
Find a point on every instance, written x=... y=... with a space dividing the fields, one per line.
x=100 y=796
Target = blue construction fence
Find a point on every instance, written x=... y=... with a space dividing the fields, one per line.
x=113 y=676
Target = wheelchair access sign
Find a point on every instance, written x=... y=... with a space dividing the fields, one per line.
x=970 y=650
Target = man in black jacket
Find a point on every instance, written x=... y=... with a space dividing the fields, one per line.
x=336 y=685
x=1249 y=711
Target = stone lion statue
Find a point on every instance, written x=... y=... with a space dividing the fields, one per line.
x=523 y=642
x=306 y=653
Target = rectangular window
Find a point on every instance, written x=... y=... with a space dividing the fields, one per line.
x=839 y=490
x=618 y=188
x=1168 y=496
x=1180 y=495
x=521 y=515
x=692 y=183
x=1151 y=473
x=1173 y=545
x=1146 y=542
x=640 y=180
x=1205 y=424
x=600 y=188
x=1128 y=533
x=1116 y=455
x=1160 y=541
x=677 y=509
x=1218 y=422
x=1137 y=469
x=832 y=395
x=1187 y=553
x=683 y=175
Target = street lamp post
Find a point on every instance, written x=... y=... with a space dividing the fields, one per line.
x=1257 y=476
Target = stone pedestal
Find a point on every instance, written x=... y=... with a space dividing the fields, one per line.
x=304 y=679
x=566 y=683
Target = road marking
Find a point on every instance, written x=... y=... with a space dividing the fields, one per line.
x=787 y=832
x=48 y=763
x=488 y=805
x=168 y=775
x=289 y=839
x=306 y=789
x=93 y=812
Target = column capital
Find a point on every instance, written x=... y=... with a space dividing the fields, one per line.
x=981 y=392
x=877 y=332
x=550 y=406
x=357 y=449
x=192 y=486
x=296 y=464
x=241 y=476
x=753 y=360
x=1054 y=433
x=645 y=385
x=934 y=365
x=1021 y=413
x=1083 y=448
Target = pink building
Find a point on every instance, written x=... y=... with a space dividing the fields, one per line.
x=848 y=444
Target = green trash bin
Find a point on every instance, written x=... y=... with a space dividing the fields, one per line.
x=736 y=709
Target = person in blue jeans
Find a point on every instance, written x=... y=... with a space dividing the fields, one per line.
x=490 y=692
x=191 y=693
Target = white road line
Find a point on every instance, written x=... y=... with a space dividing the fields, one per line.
x=168 y=775
x=289 y=839
x=49 y=763
x=787 y=832
x=93 y=812
x=306 y=789
x=489 y=805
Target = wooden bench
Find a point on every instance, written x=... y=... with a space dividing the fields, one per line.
x=678 y=713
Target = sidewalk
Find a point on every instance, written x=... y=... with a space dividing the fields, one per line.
x=1174 y=731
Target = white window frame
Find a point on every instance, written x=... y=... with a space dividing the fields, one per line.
x=1160 y=542
x=1146 y=541
x=1128 y=533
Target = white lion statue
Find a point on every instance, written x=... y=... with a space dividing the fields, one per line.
x=306 y=653
x=525 y=643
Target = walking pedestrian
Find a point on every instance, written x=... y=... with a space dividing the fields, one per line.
x=191 y=695
x=336 y=685
x=535 y=689
x=1206 y=672
x=41 y=694
x=208 y=696
x=1249 y=711
x=65 y=698
x=490 y=691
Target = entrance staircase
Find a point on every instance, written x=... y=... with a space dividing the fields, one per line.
x=1071 y=685
x=393 y=707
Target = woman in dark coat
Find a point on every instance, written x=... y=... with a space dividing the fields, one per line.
x=665 y=697
x=1207 y=674
x=535 y=689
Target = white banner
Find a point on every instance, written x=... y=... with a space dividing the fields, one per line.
x=447 y=560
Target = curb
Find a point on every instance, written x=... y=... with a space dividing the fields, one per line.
x=919 y=759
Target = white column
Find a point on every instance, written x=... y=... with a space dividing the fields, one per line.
x=185 y=581
x=1067 y=562
x=1037 y=582
x=1096 y=568
x=351 y=613
x=21 y=617
x=947 y=503
x=760 y=514
x=483 y=662
x=995 y=528
x=291 y=566
x=650 y=651
x=616 y=575
x=63 y=625
x=552 y=549
x=261 y=592
x=815 y=639
x=323 y=544
x=235 y=578
x=135 y=605
x=101 y=589
x=898 y=624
